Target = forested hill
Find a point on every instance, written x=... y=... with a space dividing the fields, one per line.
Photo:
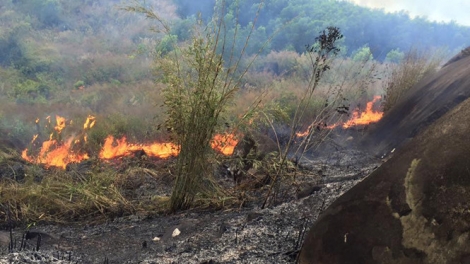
x=298 y=21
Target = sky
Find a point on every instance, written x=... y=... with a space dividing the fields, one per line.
x=438 y=10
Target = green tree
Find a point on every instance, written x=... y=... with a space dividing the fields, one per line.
x=395 y=56
x=363 y=54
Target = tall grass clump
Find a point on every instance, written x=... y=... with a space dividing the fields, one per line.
x=413 y=67
x=202 y=78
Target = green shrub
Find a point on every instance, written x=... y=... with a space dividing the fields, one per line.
x=166 y=45
x=395 y=56
x=362 y=54
x=79 y=84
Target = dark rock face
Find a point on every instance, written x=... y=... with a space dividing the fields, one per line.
x=462 y=54
x=415 y=208
x=421 y=106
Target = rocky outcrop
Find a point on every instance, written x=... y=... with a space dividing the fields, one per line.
x=415 y=208
x=433 y=97
x=462 y=54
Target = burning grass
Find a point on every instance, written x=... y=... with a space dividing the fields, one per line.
x=113 y=186
x=92 y=190
x=56 y=152
x=60 y=182
x=358 y=117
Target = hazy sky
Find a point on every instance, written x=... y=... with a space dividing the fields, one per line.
x=440 y=10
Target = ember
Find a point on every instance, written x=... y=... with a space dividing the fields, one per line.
x=224 y=144
x=305 y=133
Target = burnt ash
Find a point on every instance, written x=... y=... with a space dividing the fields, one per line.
x=247 y=234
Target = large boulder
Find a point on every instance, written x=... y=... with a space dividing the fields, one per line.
x=426 y=102
x=415 y=208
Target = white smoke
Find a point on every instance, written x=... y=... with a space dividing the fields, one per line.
x=434 y=10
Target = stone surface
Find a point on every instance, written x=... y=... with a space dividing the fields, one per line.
x=415 y=208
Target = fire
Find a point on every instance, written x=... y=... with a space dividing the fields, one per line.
x=224 y=144
x=305 y=133
x=89 y=123
x=117 y=148
x=53 y=152
x=60 y=124
x=366 y=117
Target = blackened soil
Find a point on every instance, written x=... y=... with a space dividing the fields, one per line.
x=247 y=234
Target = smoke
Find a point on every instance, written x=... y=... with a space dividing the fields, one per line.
x=435 y=10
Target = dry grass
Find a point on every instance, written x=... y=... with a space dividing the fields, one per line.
x=99 y=193
x=409 y=72
x=61 y=197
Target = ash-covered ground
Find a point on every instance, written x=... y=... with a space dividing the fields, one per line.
x=235 y=235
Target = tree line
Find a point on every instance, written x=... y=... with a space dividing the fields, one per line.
x=294 y=23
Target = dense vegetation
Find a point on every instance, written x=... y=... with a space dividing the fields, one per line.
x=297 y=22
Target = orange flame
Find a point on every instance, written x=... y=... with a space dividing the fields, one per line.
x=54 y=154
x=89 y=123
x=60 y=124
x=305 y=133
x=117 y=148
x=224 y=144
x=366 y=117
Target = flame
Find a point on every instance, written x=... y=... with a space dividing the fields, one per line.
x=224 y=144
x=305 y=133
x=89 y=123
x=117 y=148
x=54 y=154
x=60 y=124
x=366 y=117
